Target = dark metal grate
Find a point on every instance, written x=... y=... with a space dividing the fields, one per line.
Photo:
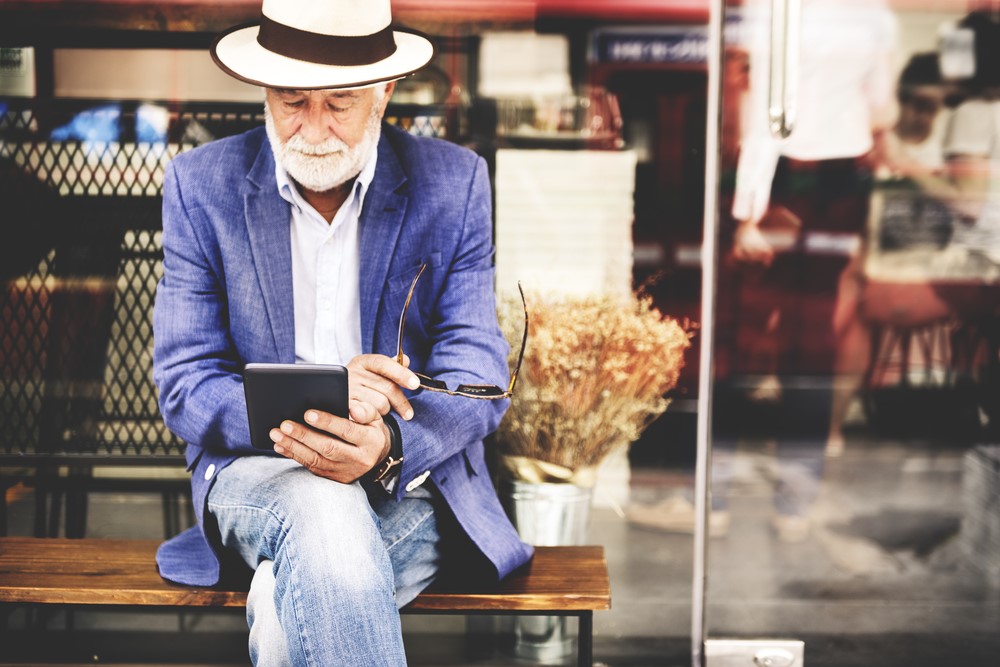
x=79 y=268
x=131 y=421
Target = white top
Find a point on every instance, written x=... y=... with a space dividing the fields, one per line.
x=846 y=86
x=326 y=267
x=928 y=153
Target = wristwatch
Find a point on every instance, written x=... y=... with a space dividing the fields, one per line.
x=391 y=464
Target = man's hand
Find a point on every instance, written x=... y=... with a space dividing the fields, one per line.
x=336 y=448
x=345 y=449
x=377 y=380
x=749 y=244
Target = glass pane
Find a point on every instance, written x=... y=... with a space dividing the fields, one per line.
x=854 y=476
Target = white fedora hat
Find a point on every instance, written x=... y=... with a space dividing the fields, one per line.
x=319 y=44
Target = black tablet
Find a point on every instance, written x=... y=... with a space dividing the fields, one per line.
x=276 y=392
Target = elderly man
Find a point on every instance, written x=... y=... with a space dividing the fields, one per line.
x=299 y=242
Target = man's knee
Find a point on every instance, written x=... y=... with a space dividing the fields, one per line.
x=299 y=492
x=329 y=530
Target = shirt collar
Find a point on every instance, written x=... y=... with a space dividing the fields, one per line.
x=293 y=196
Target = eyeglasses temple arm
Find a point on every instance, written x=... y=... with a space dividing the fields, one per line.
x=402 y=317
x=524 y=341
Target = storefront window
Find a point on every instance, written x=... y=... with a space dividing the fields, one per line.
x=855 y=372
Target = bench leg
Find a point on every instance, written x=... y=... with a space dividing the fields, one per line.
x=55 y=512
x=585 y=640
x=41 y=506
x=76 y=513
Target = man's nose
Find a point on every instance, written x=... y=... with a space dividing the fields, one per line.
x=315 y=129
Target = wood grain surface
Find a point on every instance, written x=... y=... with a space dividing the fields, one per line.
x=123 y=572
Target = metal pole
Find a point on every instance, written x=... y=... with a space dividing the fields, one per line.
x=709 y=257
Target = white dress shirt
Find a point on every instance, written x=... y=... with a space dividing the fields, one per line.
x=325 y=273
x=326 y=268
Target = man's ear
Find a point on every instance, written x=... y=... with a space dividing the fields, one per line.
x=389 y=88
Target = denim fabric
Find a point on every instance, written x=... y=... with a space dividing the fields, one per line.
x=331 y=566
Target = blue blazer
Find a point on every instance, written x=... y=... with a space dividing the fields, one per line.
x=225 y=300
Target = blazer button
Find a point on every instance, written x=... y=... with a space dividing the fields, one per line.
x=418 y=480
x=209 y=471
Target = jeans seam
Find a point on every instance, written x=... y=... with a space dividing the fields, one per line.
x=299 y=618
x=294 y=597
x=411 y=530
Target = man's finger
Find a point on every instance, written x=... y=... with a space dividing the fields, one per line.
x=382 y=374
x=321 y=442
x=351 y=432
x=388 y=368
x=376 y=399
x=363 y=413
x=384 y=397
x=291 y=448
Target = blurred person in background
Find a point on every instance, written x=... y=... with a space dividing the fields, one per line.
x=914 y=147
x=972 y=159
x=910 y=172
x=800 y=209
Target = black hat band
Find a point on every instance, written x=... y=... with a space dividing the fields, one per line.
x=325 y=49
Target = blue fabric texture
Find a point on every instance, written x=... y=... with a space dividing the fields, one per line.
x=226 y=300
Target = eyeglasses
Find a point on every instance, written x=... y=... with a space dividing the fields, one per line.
x=482 y=391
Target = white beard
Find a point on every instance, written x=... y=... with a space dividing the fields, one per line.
x=323 y=167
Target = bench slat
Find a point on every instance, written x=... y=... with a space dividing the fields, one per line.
x=557 y=578
x=123 y=572
x=95 y=571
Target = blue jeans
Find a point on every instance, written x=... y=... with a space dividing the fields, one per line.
x=332 y=562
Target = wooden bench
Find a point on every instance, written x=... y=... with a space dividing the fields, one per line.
x=559 y=581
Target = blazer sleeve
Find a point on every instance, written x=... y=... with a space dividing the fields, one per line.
x=195 y=365
x=466 y=346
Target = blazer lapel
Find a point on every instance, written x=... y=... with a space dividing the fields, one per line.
x=268 y=227
x=379 y=228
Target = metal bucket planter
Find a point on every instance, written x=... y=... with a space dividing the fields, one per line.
x=546 y=515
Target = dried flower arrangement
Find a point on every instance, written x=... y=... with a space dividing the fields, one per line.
x=595 y=374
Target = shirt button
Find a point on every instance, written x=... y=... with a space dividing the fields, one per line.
x=209 y=471
x=418 y=480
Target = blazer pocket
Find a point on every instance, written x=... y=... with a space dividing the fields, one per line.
x=401 y=280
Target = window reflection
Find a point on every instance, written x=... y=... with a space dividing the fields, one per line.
x=858 y=338
x=858 y=376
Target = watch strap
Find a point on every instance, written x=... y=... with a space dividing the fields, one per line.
x=392 y=462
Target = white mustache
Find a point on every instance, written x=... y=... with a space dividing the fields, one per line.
x=329 y=147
